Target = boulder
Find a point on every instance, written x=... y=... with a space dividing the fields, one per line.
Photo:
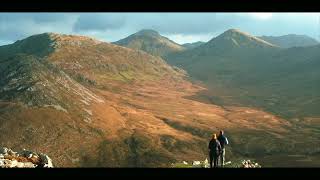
x=45 y=160
x=196 y=164
x=23 y=159
x=205 y=163
x=3 y=150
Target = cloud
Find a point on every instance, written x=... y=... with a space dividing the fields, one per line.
x=181 y=39
x=98 y=22
x=181 y=27
x=5 y=42
x=14 y=26
x=262 y=16
x=182 y=23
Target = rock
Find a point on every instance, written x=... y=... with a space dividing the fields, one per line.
x=250 y=164
x=11 y=153
x=23 y=159
x=205 y=163
x=29 y=165
x=20 y=165
x=45 y=161
x=184 y=162
x=13 y=163
x=196 y=163
x=26 y=153
x=3 y=150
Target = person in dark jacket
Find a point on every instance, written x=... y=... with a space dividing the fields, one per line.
x=214 y=150
x=223 y=142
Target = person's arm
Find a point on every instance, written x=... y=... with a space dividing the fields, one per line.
x=227 y=142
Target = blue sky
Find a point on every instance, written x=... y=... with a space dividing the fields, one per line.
x=180 y=27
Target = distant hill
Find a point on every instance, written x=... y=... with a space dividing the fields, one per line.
x=230 y=48
x=290 y=40
x=246 y=69
x=193 y=45
x=151 y=42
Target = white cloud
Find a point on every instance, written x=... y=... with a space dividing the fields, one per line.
x=181 y=39
x=262 y=16
x=180 y=27
x=5 y=42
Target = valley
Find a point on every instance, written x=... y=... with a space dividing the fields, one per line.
x=88 y=103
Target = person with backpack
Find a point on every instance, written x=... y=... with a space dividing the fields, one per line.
x=214 y=151
x=223 y=142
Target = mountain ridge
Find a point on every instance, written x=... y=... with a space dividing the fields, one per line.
x=193 y=45
x=151 y=42
x=291 y=40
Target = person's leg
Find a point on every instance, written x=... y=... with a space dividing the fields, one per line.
x=211 y=159
x=215 y=161
x=222 y=157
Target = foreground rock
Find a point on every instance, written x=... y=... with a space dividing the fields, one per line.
x=23 y=159
x=250 y=164
x=205 y=164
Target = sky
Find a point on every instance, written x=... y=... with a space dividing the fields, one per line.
x=179 y=27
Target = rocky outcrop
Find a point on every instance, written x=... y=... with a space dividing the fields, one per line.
x=250 y=164
x=205 y=164
x=23 y=159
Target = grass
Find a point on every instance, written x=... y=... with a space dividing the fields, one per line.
x=181 y=165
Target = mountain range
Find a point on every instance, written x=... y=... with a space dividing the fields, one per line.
x=88 y=103
x=290 y=40
x=259 y=73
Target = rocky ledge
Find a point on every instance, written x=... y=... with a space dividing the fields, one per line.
x=23 y=159
x=228 y=164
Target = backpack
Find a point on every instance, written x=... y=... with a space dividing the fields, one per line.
x=224 y=140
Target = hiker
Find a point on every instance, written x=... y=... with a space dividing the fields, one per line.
x=223 y=142
x=214 y=150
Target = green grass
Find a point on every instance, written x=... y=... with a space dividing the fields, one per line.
x=181 y=165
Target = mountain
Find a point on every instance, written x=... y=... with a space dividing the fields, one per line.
x=252 y=71
x=49 y=88
x=193 y=45
x=151 y=42
x=87 y=103
x=290 y=40
x=230 y=50
x=241 y=70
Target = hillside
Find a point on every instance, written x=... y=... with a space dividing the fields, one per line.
x=151 y=42
x=87 y=103
x=223 y=55
x=290 y=40
x=255 y=73
x=192 y=45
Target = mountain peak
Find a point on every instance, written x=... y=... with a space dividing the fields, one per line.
x=150 y=41
x=236 y=32
x=148 y=32
x=238 y=37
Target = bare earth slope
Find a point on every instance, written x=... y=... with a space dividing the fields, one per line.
x=89 y=103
